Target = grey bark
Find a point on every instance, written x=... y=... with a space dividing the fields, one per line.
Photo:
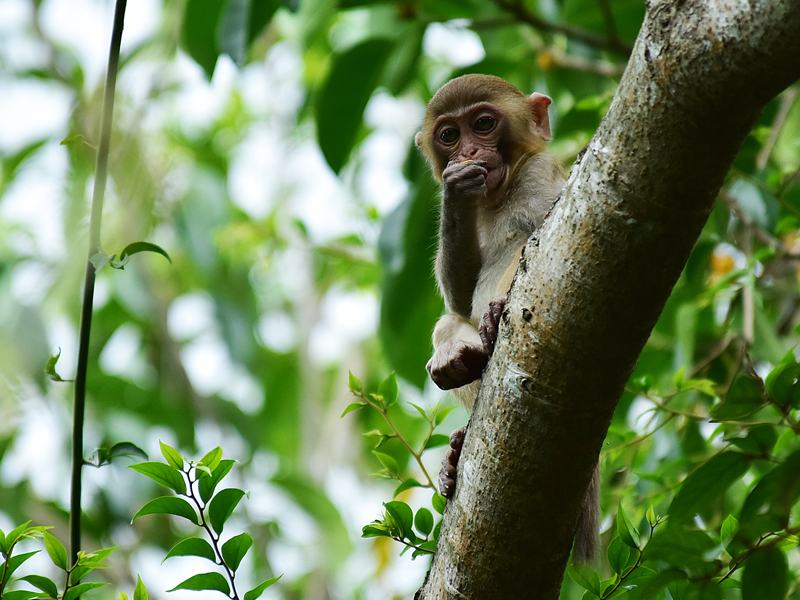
x=590 y=289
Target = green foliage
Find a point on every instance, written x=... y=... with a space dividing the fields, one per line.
x=209 y=511
x=344 y=95
x=706 y=432
x=399 y=520
x=47 y=588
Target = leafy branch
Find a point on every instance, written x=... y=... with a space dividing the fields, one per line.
x=194 y=484
x=380 y=402
x=73 y=573
x=399 y=522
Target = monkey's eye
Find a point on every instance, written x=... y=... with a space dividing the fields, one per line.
x=449 y=135
x=485 y=123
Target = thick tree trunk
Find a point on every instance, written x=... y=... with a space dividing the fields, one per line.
x=590 y=289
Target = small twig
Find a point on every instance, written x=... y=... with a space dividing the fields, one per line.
x=552 y=57
x=608 y=18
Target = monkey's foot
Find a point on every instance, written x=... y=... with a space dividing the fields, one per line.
x=447 y=474
x=490 y=324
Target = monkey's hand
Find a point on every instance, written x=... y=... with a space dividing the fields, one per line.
x=456 y=363
x=465 y=180
x=490 y=324
x=447 y=474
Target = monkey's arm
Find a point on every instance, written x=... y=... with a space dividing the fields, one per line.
x=458 y=261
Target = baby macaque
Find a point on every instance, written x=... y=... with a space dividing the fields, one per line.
x=484 y=141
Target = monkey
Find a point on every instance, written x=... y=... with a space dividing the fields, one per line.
x=484 y=141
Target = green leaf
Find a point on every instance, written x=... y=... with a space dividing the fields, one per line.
x=769 y=504
x=168 y=505
x=650 y=515
x=50 y=368
x=88 y=562
x=585 y=577
x=387 y=461
x=782 y=382
x=420 y=410
x=423 y=521
x=625 y=529
x=428 y=547
x=126 y=449
x=212 y=459
x=407 y=484
x=234 y=549
x=163 y=474
x=680 y=547
x=172 y=456
x=438 y=502
x=353 y=383
x=764 y=576
x=702 y=488
x=619 y=554
x=137 y=247
x=221 y=507
x=388 y=390
x=375 y=529
x=192 y=547
x=729 y=528
x=402 y=517
x=206 y=485
x=745 y=397
x=199 y=32
x=45 y=584
x=353 y=406
x=437 y=440
x=15 y=561
x=353 y=76
x=56 y=550
x=82 y=588
x=20 y=595
x=441 y=415
x=204 y=581
x=13 y=537
x=72 y=139
x=234 y=30
x=140 y=591
x=259 y=589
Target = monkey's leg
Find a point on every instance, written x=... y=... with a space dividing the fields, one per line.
x=447 y=474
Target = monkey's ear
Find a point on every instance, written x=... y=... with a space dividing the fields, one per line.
x=539 y=103
x=418 y=139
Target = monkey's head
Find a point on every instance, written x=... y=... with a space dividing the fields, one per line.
x=485 y=118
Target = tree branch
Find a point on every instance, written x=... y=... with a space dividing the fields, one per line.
x=592 y=284
x=518 y=9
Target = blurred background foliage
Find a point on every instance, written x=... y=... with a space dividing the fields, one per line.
x=267 y=146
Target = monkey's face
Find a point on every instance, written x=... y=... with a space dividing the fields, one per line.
x=474 y=133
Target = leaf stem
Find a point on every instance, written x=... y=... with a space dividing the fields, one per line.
x=191 y=475
x=384 y=410
x=101 y=175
